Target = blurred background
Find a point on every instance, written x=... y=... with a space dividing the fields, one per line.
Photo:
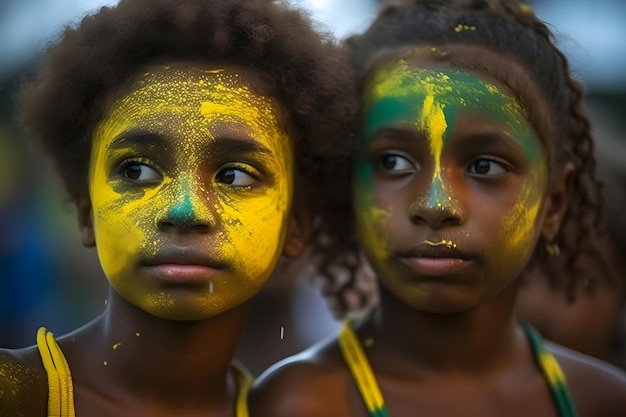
x=48 y=279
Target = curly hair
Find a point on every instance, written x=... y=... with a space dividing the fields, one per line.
x=513 y=31
x=306 y=68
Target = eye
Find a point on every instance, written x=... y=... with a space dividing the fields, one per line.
x=397 y=163
x=140 y=172
x=235 y=176
x=487 y=167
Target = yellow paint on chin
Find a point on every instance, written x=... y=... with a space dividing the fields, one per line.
x=190 y=108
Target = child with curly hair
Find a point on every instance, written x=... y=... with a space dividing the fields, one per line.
x=474 y=151
x=196 y=139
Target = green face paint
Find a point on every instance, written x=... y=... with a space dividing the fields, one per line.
x=186 y=118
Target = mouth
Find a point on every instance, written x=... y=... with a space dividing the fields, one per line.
x=183 y=265
x=436 y=258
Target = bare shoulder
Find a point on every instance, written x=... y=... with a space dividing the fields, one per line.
x=598 y=388
x=309 y=384
x=23 y=383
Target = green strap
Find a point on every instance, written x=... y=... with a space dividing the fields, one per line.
x=372 y=396
x=552 y=372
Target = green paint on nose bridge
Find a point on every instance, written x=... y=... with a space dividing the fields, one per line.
x=182 y=210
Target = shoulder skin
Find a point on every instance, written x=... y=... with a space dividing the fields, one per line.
x=310 y=384
x=23 y=383
x=598 y=388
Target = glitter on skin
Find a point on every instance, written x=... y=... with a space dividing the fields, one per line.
x=190 y=105
x=400 y=94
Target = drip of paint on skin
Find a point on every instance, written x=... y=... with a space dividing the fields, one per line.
x=433 y=121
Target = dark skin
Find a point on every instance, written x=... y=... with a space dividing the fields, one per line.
x=143 y=358
x=444 y=340
x=586 y=324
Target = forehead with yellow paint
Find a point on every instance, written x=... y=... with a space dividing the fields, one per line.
x=184 y=126
x=198 y=97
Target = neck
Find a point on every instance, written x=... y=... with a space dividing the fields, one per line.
x=474 y=340
x=129 y=353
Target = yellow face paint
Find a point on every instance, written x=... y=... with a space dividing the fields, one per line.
x=190 y=160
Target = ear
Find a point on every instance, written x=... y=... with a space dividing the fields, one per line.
x=557 y=202
x=298 y=233
x=85 y=222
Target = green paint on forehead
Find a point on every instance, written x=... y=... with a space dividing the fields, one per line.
x=399 y=94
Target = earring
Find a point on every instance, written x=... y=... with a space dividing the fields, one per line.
x=553 y=249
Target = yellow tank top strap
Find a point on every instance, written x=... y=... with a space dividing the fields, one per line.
x=244 y=382
x=60 y=388
x=361 y=371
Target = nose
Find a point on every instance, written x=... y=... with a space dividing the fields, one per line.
x=187 y=212
x=437 y=207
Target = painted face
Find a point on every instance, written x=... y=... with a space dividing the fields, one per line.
x=449 y=184
x=191 y=186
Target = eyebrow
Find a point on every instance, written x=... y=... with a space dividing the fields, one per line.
x=395 y=134
x=238 y=145
x=494 y=138
x=222 y=144
x=137 y=138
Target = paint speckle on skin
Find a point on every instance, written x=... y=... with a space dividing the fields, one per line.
x=13 y=376
x=105 y=363
x=443 y=242
x=117 y=345
x=461 y=27
x=525 y=9
x=137 y=334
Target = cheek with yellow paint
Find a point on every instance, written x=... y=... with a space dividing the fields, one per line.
x=372 y=223
x=254 y=232
x=519 y=228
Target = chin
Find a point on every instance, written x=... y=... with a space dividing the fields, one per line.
x=180 y=314
x=438 y=298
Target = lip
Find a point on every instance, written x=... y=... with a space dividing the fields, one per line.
x=183 y=265
x=439 y=260
x=436 y=267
